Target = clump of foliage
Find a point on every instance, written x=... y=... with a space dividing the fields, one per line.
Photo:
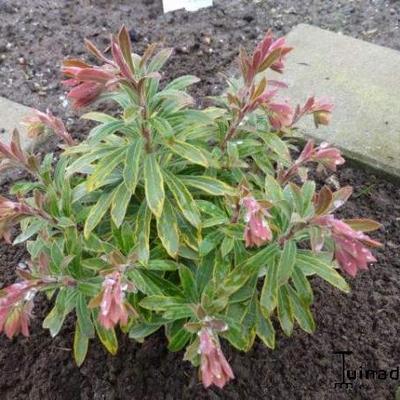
x=166 y=216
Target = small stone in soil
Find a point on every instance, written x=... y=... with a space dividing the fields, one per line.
x=134 y=35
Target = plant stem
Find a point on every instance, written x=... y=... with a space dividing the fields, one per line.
x=232 y=130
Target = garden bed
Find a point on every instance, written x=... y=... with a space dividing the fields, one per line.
x=364 y=321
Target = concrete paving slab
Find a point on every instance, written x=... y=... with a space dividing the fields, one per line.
x=11 y=115
x=363 y=80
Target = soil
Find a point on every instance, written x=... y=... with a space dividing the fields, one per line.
x=34 y=37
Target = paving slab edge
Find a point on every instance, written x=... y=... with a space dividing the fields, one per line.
x=360 y=161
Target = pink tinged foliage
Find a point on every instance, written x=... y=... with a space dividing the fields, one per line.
x=113 y=309
x=10 y=213
x=37 y=123
x=214 y=367
x=280 y=115
x=120 y=61
x=257 y=231
x=329 y=157
x=87 y=82
x=270 y=53
x=350 y=245
x=306 y=153
x=16 y=303
x=13 y=155
x=321 y=110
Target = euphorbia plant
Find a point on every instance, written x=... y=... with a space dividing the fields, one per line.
x=195 y=221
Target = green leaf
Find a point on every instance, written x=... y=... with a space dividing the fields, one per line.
x=84 y=317
x=209 y=185
x=84 y=162
x=189 y=152
x=22 y=188
x=264 y=329
x=98 y=117
x=34 y=227
x=159 y=60
x=162 y=127
x=249 y=323
x=54 y=321
x=153 y=185
x=104 y=169
x=167 y=287
x=211 y=209
x=97 y=212
x=222 y=267
x=210 y=242
x=188 y=283
x=269 y=293
x=302 y=286
x=163 y=265
x=293 y=195
x=132 y=165
x=273 y=190
x=81 y=344
x=167 y=228
x=277 y=145
x=141 y=330
x=245 y=292
x=286 y=262
x=91 y=287
x=227 y=245
x=143 y=283
x=235 y=335
x=142 y=232
x=183 y=198
x=187 y=252
x=204 y=271
x=238 y=277
x=107 y=337
x=285 y=314
x=173 y=100
x=178 y=341
x=64 y=304
x=161 y=303
x=120 y=203
x=175 y=313
x=307 y=194
x=301 y=312
x=310 y=264
x=101 y=132
x=182 y=82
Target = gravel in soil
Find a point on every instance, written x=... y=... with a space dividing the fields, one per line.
x=34 y=37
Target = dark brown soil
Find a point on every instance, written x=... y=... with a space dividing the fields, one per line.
x=366 y=321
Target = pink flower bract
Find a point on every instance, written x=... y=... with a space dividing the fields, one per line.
x=40 y=120
x=329 y=157
x=281 y=115
x=112 y=307
x=321 y=110
x=15 y=308
x=87 y=82
x=257 y=232
x=351 y=251
x=214 y=368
